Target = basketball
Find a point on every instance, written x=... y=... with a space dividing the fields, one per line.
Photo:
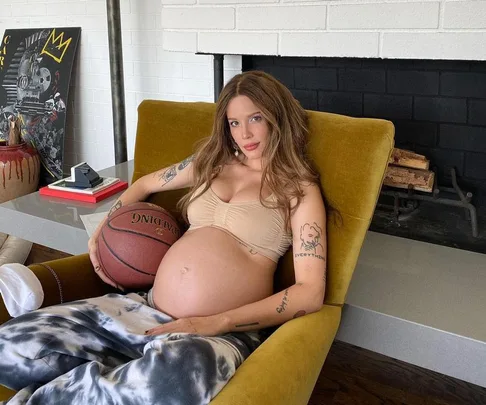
x=133 y=241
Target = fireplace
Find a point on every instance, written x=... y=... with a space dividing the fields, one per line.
x=438 y=108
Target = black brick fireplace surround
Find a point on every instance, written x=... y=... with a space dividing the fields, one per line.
x=438 y=109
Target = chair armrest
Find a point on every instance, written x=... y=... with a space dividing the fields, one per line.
x=285 y=368
x=74 y=278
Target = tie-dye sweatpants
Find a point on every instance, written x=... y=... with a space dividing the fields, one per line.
x=95 y=352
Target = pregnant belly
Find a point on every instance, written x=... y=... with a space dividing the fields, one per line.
x=207 y=271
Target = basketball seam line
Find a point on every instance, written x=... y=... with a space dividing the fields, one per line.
x=123 y=261
x=138 y=233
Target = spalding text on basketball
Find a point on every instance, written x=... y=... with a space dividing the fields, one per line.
x=150 y=219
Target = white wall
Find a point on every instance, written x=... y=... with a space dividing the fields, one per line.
x=150 y=71
x=352 y=28
x=161 y=37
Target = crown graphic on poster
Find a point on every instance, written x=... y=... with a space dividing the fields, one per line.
x=56 y=46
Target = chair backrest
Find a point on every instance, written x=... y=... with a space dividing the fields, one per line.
x=351 y=155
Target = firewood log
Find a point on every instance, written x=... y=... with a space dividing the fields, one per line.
x=403 y=177
x=406 y=158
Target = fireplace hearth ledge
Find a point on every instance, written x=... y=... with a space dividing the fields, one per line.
x=421 y=303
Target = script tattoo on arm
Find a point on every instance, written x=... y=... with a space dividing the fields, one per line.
x=117 y=205
x=283 y=304
x=310 y=255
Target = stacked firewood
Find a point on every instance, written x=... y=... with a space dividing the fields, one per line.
x=407 y=169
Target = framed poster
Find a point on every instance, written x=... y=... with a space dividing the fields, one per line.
x=35 y=72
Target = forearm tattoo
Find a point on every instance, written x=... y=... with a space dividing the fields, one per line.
x=244 y=325
x=117 y=205
x=283 y=304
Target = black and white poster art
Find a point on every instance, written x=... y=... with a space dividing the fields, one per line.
x=35 y=72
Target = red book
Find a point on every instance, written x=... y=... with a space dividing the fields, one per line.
x=92 y=198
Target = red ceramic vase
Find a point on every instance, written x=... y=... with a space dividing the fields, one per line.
x=19 y=170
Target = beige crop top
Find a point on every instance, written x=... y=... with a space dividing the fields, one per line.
x=261 y=228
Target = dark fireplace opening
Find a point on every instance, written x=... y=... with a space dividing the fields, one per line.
x=438 y=108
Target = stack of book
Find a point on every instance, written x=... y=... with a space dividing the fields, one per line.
x=108 y=187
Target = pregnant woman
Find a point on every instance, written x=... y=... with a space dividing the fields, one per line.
x=252 y=193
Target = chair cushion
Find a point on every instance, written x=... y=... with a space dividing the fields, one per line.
x=351 y=155
x=5 y=393
x=285 y=368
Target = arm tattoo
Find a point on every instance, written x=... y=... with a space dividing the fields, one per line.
x=171 y=172
x=244 y=325
x=310 y=237
x=117 y=205
x=310 y=255
x=281 y=307
x=299 y=313
x=185 y=162
x=168 y=175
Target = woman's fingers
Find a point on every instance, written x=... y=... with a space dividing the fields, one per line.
x=158 y=330
x=93 y=252
x=101 y=274
x=93 y=256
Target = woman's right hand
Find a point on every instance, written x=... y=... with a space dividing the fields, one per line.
x=93 y=256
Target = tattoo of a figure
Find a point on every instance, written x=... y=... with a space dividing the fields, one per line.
x=116 y=206
x=310 y=236
x=283 y=304
x=185 y=162
x=244 y=325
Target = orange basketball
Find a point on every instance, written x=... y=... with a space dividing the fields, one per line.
x=133 y=242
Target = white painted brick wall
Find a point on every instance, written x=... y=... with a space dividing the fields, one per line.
x=386 y=16
x=435 y=29
x=281 y=18
x=256 y=43
x=150 y=71
x=444 y=45
x=203 y=17
x=465 y=14
x=343 y=44
x=161 y=39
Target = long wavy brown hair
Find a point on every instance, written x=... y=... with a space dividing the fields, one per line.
x=286 y=165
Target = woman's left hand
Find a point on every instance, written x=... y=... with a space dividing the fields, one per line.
x=206 y=326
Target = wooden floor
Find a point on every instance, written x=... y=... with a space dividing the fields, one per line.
x=355 y=376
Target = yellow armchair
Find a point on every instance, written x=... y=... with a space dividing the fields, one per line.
x=351 y=155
